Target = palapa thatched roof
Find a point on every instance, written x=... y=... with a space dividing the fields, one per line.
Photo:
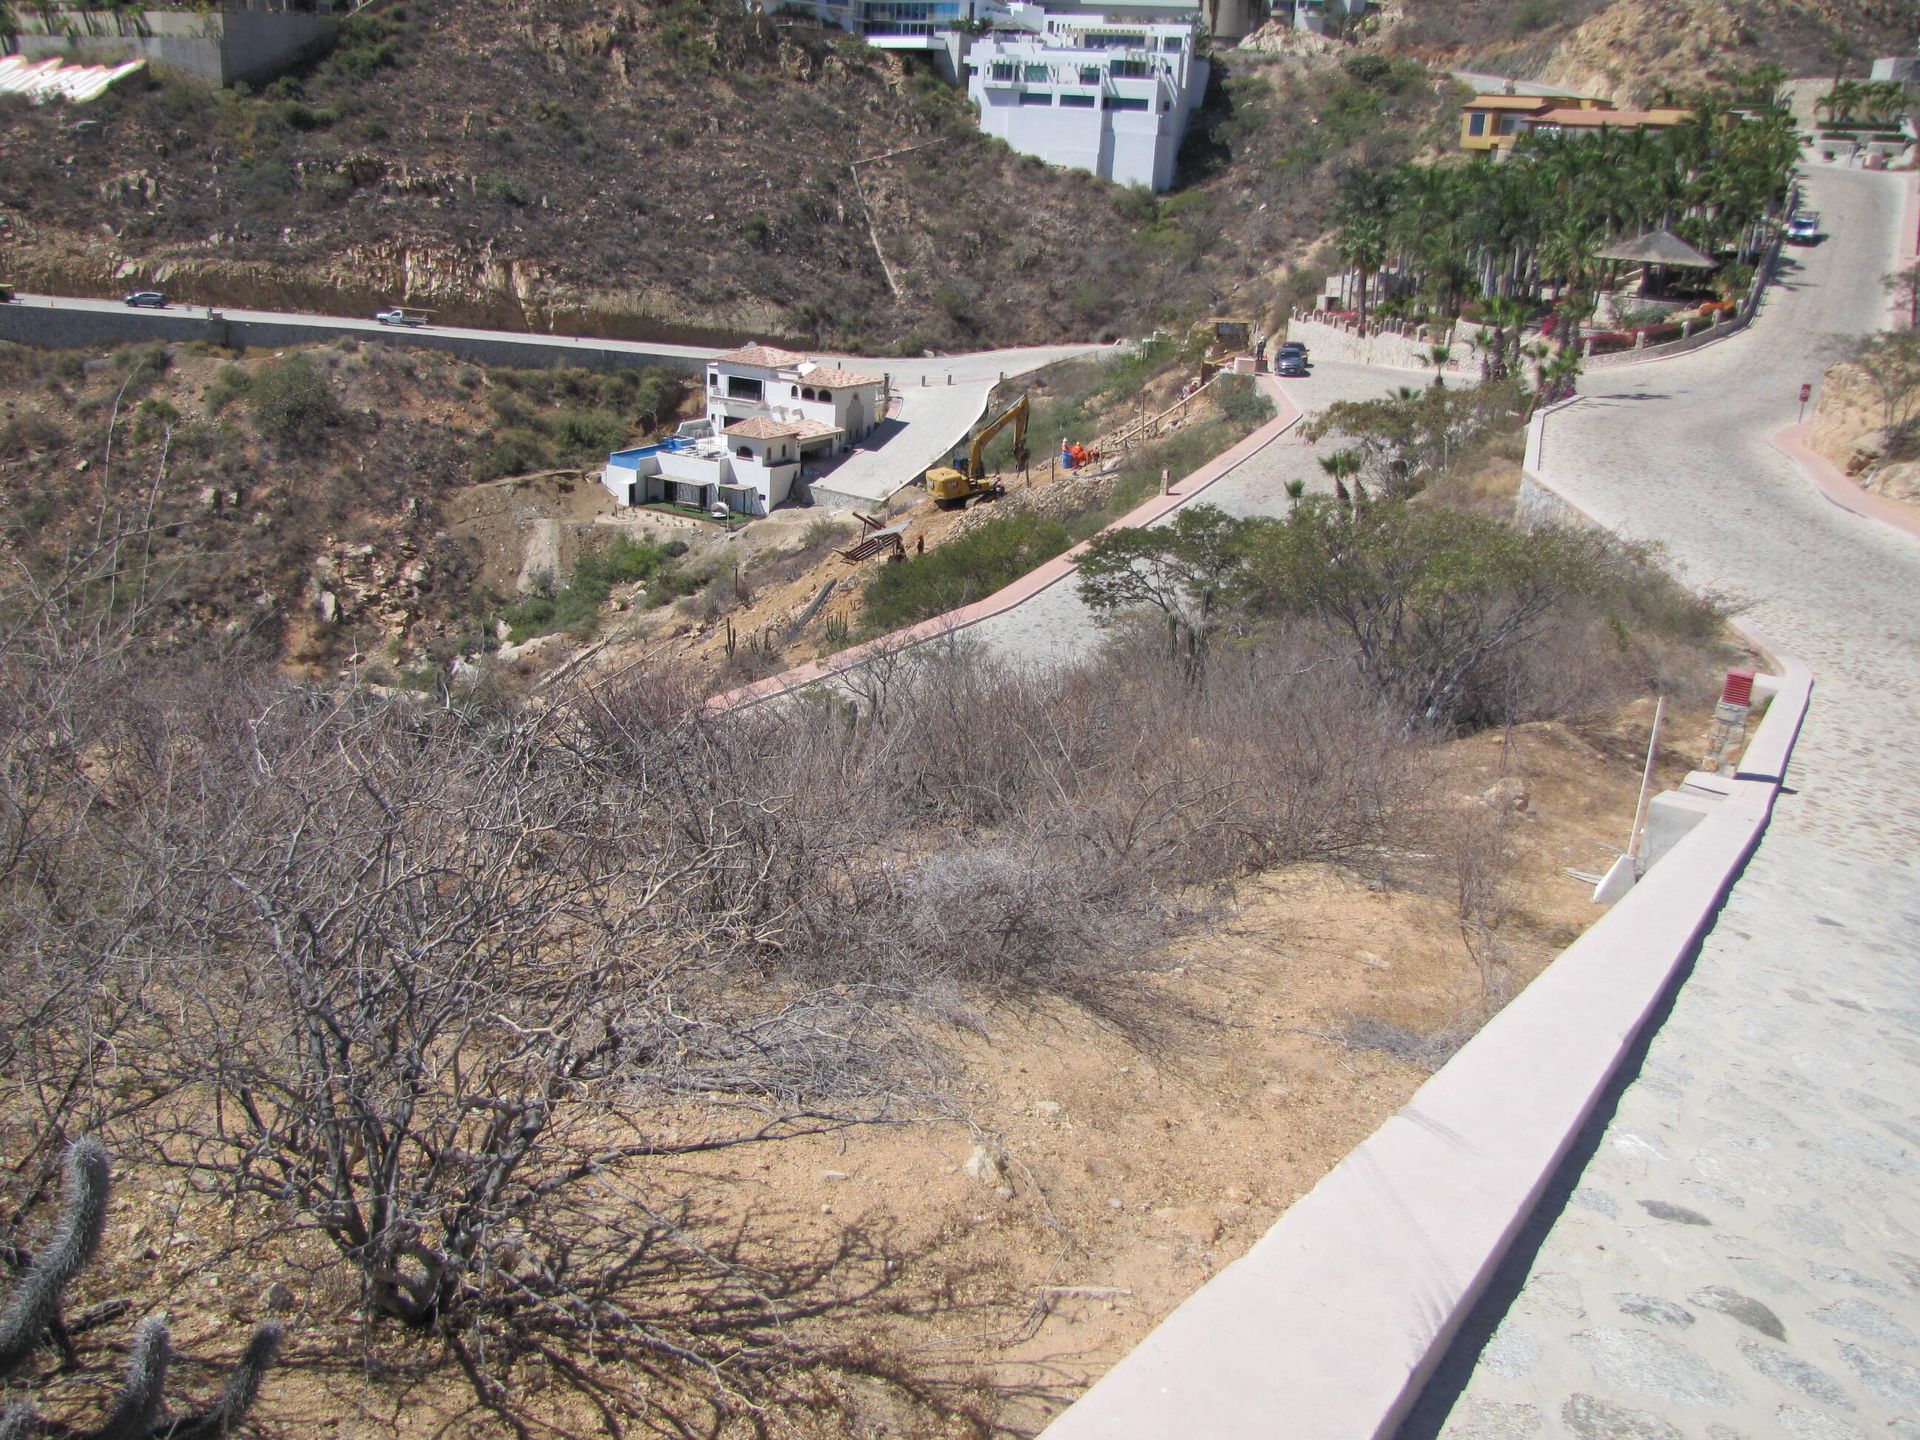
x=1661 y=247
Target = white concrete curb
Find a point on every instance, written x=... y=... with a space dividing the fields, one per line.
x=1330 y=1325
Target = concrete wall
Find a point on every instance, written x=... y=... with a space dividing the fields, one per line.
x=32 y=322
x=1330 y=1325
x=1342 y=342
x=222 y=47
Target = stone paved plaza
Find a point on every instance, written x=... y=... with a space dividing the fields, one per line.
x=1739 y=1254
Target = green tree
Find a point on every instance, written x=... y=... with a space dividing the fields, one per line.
x=1891 y=364
x=1342 y=466
x=1362 y=218
x=1429 y=603
x=292 y=401
x=1186 y=570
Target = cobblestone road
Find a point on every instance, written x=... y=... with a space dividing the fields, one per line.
x=1739 y=1258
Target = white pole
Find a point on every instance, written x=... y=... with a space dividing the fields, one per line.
x=1646 y=779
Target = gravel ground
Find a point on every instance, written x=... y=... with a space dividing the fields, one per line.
x=1739 y=1254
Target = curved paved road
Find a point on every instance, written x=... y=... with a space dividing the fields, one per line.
x=1054 y=626
x=1739 y=1257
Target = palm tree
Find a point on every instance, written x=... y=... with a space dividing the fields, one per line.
x=1342 y=465
x=1437 y=356
x=1363 y=214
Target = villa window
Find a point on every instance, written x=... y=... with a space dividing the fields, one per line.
x=741 y=388
x=1037 y=75
x=1128 y=102
x=1477 y=123
x=1079 y=102
x=823 y=395
x=1035 y=97
x=1003 y=71
x=744 y=453
x=1130 y=70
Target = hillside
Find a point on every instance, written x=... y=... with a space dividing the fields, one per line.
x=1632 y=50
x=672 y=169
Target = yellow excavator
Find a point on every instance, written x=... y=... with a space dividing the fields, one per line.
x=951 y=487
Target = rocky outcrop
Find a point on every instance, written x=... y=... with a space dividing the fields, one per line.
x=1846 y=429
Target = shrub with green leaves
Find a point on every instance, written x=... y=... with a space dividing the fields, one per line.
x=961 y=571
x=292 y=401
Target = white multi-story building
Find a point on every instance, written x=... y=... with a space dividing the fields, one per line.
x=768 y=412
x=1313 y=14
x=1090 y=92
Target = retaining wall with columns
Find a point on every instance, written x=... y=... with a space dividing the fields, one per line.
x=1393 y=345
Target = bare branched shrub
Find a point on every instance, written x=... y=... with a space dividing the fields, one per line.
x=462 y=988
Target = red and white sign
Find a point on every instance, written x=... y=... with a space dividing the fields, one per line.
x=1806 y=393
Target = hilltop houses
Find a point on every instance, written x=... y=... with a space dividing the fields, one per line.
x=1494 y=123
x=1089 y=92
x=769 y=412
x=1099 y=85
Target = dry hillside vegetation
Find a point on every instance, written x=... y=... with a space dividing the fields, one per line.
x=1634 y=51
x=669 y=169
x=318 y=503
x=849 y=1066
x=1867 y=419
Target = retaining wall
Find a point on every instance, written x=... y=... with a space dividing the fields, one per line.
x=29 y=323
x=1330 y=1325
x=222 y=47
x=1342 y=342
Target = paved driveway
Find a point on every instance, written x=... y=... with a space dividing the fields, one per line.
x=940 y=399
x=1740 y=1252
x=1054 y=626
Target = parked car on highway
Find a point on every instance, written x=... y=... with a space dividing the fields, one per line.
x=1291 y=364
x=152 y=299
x=6 y=294
x=399 y=316
x=1294 y=347
x=1803 y=230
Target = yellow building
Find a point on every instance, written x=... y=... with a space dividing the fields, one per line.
x=1494 y=122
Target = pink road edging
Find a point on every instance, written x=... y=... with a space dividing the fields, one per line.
x=1848 y=494
x=1028 y=585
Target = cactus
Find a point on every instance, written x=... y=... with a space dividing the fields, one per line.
x=35 y=1305
x=139 y=1398
x=34 y=1310
x=243 y=1384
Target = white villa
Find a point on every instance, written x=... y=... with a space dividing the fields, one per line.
x=768 y=412
x=1090 y=92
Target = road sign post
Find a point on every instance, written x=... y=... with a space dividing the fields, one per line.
x=1806 y=394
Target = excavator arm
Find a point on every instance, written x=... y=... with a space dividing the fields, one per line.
x=1015 y=414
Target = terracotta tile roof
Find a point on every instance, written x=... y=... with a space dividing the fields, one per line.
x=811 y=429
x=764 y=356
x=836 y=379
x=763 y=427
